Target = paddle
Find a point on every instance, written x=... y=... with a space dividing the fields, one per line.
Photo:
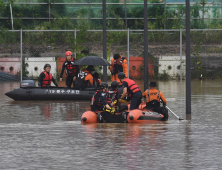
x=174 y=113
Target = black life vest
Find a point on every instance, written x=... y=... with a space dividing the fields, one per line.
x=80 y=80
x=95 y=101
x=47 y=80
x=111 y=96
x=117 y=67
x=71 y=69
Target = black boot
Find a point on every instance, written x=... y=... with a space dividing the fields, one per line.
x=124 y=117
x=100 y=117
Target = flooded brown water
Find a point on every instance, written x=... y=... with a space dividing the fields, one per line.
x=49 y=135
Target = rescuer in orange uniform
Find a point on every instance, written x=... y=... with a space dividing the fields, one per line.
x=118 y=64
x=153 y=97
x=85 y=78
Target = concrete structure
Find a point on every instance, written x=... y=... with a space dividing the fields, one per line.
x=171 y=66
x=36 y=65
x=10 y=65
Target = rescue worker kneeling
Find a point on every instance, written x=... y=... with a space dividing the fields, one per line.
x=98 y=102
x=153 y=97
x=113 y=97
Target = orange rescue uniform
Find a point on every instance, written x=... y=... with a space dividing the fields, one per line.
x=153 y=95
x=123 y=63
x=89 y=77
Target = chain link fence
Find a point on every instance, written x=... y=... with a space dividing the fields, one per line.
x=166 y=51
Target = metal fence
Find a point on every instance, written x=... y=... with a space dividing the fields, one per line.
x=27 y=51
x=40 y=11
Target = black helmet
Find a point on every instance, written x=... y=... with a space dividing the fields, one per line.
x=90 y=68
x=47 y=65
x=114 y=84
x=96 y=75
x=121 y=75
x=103 y=85
x=116 y=56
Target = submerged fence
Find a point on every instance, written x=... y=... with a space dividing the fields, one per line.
x=27 y=51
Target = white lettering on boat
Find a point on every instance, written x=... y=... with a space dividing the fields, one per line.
x=63 y=91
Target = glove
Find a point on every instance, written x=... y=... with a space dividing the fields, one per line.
x=114 y=103
x=111 y=110
x=39 y=84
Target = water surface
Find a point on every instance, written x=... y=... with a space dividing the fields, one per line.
x=49 y=135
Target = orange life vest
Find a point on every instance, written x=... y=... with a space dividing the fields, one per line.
x=132 y=85
x=47 y=80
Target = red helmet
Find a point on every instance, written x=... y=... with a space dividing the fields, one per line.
x=68 y=53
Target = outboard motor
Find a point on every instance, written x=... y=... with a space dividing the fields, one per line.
x=27 y=83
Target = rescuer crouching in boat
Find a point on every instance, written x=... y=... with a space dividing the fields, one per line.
x=85 y=78
x=98 y=101
x=153 y=97
x=45 y=78
x=113 y=96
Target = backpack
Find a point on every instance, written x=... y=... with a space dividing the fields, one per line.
x=80 y=82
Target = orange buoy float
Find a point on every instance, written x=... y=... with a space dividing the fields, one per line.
x=144 y=116
x=89 y=117
x=103 y=117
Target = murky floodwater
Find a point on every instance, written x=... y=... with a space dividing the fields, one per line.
x=49 y=135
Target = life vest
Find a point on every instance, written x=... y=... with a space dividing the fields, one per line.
x=80 y=80
x=70 y=67
x=95 y=101
x=152 y=103
x=47 y=80
x=132 y=86
x=117 y=67
x=111 y=95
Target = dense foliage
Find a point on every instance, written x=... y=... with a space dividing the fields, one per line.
x=160 y=16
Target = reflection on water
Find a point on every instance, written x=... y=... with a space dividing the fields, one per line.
x=49 y=135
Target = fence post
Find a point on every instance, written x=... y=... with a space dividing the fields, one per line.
x=11 y=16
x=181 y=54
x=188 y=71
x=104 y=41
x=49 y=11
x=21 y=54
x=128 y=49
x=75 y=42
x=146 y=73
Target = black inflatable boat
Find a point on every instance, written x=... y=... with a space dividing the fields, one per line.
x=28 y=91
